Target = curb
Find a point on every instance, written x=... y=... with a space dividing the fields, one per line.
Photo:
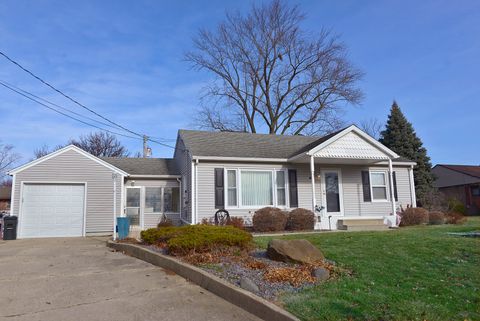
x=229 y=292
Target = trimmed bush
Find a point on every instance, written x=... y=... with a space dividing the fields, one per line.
x=455 y=206
x=455 y=218
x=413 y=216
x=269 y=219
x=436 y=218
x=237 y=222
x=300 y=219
x=187 y=239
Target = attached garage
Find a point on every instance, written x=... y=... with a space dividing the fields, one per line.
x=52 y=210
x=67 y=193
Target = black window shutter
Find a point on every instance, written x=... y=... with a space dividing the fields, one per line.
x=367 y=197
x=293 y=190
x=219 y=189
x=395 y=191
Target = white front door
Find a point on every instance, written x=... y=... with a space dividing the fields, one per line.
x=52 y=210
x=332 y=194
x=133 y=205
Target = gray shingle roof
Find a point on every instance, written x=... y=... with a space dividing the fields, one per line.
x=143 y=166
x=234 y=144
x=248 y=145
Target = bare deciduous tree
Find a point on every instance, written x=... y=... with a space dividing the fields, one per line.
x=101 y=144
x=7 y=159
x=45 y=150
x=372 y=126
x=270 y=74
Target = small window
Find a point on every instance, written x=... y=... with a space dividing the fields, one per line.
x=281 y=189
x=171 y=199
x=232 y=188
x=153 y=199
x=378 y=182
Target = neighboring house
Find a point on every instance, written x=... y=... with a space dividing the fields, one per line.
x=5 y=192
x=461 y=182
x=71 y=193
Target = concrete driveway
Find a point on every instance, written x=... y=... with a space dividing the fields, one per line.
x=81 y=279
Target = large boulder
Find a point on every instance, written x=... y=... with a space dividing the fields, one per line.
x=296 y=251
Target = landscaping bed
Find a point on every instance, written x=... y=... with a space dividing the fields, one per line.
x=239 y=263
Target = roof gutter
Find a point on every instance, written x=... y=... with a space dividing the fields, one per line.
x=241 y=159
x=155 y=176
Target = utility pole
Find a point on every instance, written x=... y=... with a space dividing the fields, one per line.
x=145 y=148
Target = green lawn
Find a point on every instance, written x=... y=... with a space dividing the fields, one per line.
x=417 y=273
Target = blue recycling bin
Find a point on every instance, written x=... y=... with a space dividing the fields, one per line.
x=123 y=226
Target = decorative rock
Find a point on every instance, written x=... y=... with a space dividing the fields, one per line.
x=321 y=274
x=249 y=285
x=296 y=251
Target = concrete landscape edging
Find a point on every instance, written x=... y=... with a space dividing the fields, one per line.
x=229 y=292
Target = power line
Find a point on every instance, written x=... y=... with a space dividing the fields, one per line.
x=56 y=105
x=62 y=113
x=77 y=103
x=67 y=96
x=30 y=96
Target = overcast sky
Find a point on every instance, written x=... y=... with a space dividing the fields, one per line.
x=124 y=59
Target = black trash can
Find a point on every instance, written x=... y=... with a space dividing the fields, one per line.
x=10 y=227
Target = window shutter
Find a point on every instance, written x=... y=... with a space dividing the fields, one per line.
x=219 y=189
x=367 y=197
x=293 y=190
x=395 y=191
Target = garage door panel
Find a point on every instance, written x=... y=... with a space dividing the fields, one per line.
x=51 y=210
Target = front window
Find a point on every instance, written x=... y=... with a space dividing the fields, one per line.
x=255 y=188
x=232 y=187
x=171 y=199
x=281 y=189
x=378 y=182
x=153 y=199
x=475 y=190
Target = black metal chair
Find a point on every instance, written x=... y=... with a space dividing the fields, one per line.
x=222 y=217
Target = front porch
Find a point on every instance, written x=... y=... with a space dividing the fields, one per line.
x=335 y=192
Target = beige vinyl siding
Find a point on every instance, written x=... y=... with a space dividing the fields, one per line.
x=183 y=164
x=72 y=166
x=152 y=219
x=353 y=203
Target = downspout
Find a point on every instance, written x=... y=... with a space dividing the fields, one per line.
x=114 y=177
x=192 y=190
x=181 y=195
x=196 y=191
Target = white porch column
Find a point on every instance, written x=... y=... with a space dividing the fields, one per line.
x=392 y=192
x=412 y=187
x=312 y=173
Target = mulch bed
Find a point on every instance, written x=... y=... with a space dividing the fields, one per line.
x=272 y=278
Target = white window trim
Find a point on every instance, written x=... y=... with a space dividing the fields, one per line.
x=385 y=173
x=238 y=175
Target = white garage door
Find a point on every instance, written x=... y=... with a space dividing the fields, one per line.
x=52 y=210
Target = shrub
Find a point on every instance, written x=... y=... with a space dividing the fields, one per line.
x=198 y=238
x=455 y=206
x=300 y=219
x=455 y=218
x=236 y=221
x=208 y=221
x=413 y=216
x=436 y=218
x=269 y=219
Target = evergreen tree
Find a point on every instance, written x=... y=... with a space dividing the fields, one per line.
x=400 y=137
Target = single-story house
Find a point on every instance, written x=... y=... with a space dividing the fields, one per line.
x=5 y=195
x=461 y=182
x=344 y=175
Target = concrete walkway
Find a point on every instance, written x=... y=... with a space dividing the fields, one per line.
x=81 y=279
